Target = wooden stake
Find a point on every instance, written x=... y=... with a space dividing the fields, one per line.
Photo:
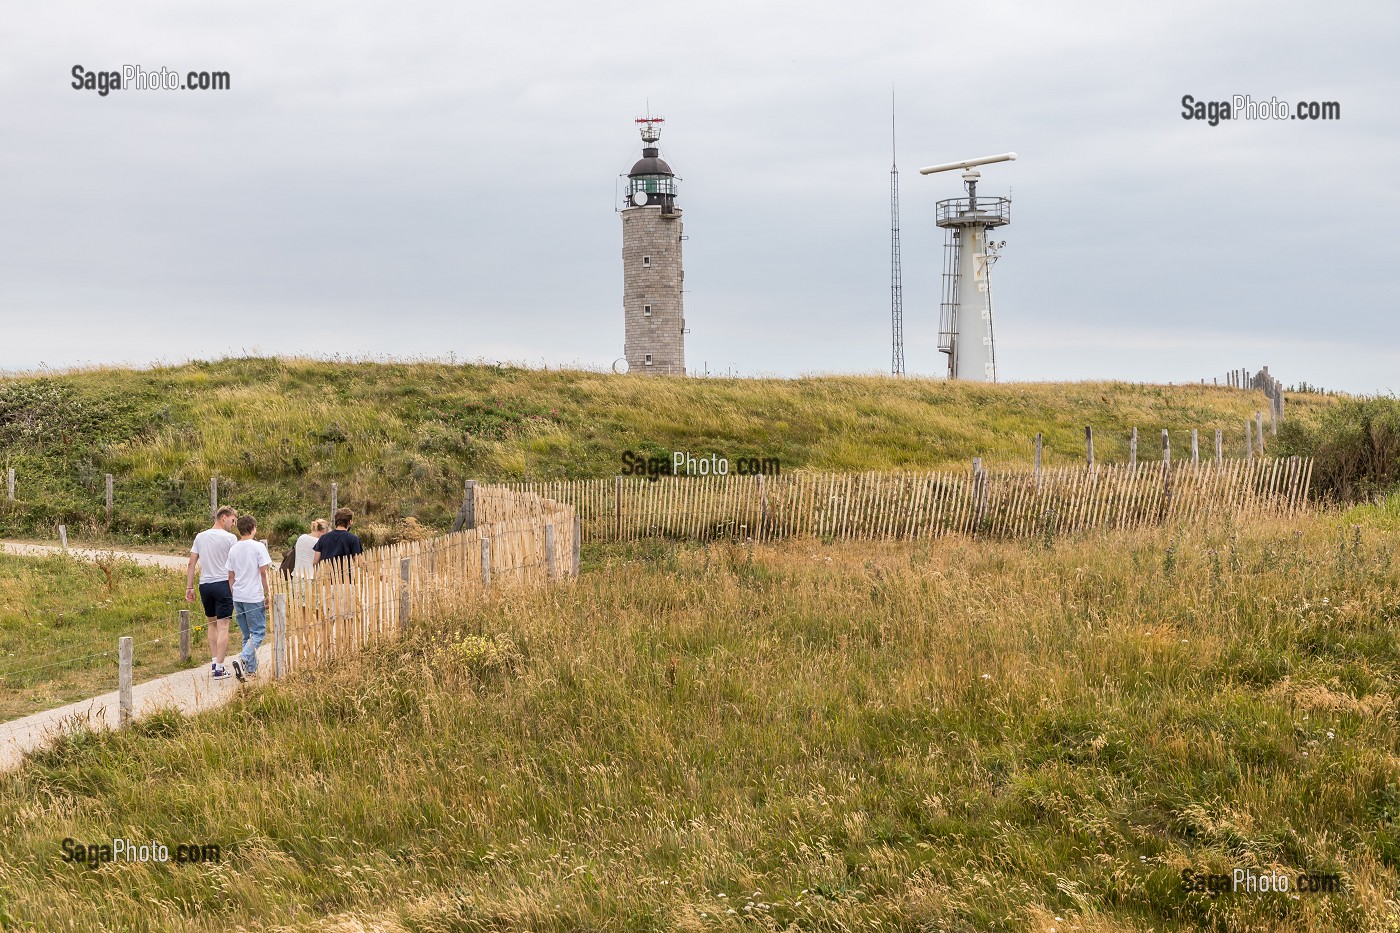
x=1219 y=447
x=1132 y=449
x=184 y=634
x=109 y=497
x=10 y=483
x=213 y=497
x=550 y=570
x=617 y=506
x=578 y=539
x=405 y=587
x=1195 y=449
x=124 y=704
x=1089 y=443
x=335 y=498
x=1039 y=447
x=63 y=536
x=279 y=635
x=486 y=563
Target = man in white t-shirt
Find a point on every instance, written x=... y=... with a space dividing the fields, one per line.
x=210 y=554
x=304 y=565
x=248 y=561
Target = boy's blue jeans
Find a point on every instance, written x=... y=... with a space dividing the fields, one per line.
x=252 y=622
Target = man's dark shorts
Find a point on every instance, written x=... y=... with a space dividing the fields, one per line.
x=217 y=598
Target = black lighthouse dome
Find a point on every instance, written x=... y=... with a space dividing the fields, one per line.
x=651 y=163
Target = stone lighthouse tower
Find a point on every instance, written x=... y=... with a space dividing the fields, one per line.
x=652 y=277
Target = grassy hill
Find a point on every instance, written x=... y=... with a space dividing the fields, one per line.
x=956 y=735
x=400 y=438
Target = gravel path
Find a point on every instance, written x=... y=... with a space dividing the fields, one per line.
x=20 y=549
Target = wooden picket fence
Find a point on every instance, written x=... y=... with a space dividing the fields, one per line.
x=520 y=539
x=1006 y=503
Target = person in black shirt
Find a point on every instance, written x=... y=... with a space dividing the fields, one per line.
x=340 y=543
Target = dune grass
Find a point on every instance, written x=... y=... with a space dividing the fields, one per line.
x=400 y=438
x=60 y=620
x=954 y=735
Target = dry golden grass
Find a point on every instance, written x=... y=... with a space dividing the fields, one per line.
x=959 y=735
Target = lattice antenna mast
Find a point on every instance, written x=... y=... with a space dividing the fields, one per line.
x=896 y=274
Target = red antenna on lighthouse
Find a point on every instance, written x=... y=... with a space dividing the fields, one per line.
x=650 y=127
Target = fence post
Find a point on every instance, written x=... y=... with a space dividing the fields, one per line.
x=63 y=536
x=184 y=634
x=466 y=515
x=1195 y=449
x=1259 y=430
x=279 y=636
x=109 y=497
x=335 y=498
x=762 y=505
x=617 y=505
x=124 y=704
x=549 y=568
x=1039 y=447
x=1219 y=447
x=10 y=483
x=1273 y=416
x=578 y=538
x=213 y=496
x=485 y=564
x=405 y=591
x=1089 y=444
x=1166 y=473
x=979 y=489
x=1132 y=449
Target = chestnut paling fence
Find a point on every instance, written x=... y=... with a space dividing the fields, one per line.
x=518 y=539
x=1003 y=503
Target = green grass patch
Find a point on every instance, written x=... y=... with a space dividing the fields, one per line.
x=60 y=620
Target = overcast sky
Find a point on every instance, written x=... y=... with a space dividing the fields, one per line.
x=426 y=179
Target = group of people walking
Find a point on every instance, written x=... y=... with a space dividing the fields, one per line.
x=233 y=578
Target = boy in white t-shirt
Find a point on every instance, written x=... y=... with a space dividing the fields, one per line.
x=248 y=561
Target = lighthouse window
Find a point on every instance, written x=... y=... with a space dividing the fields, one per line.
x=646 y=309
x=648 y=360
x=646 y=262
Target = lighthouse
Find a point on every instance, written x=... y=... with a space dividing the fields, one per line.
x=652 y=275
